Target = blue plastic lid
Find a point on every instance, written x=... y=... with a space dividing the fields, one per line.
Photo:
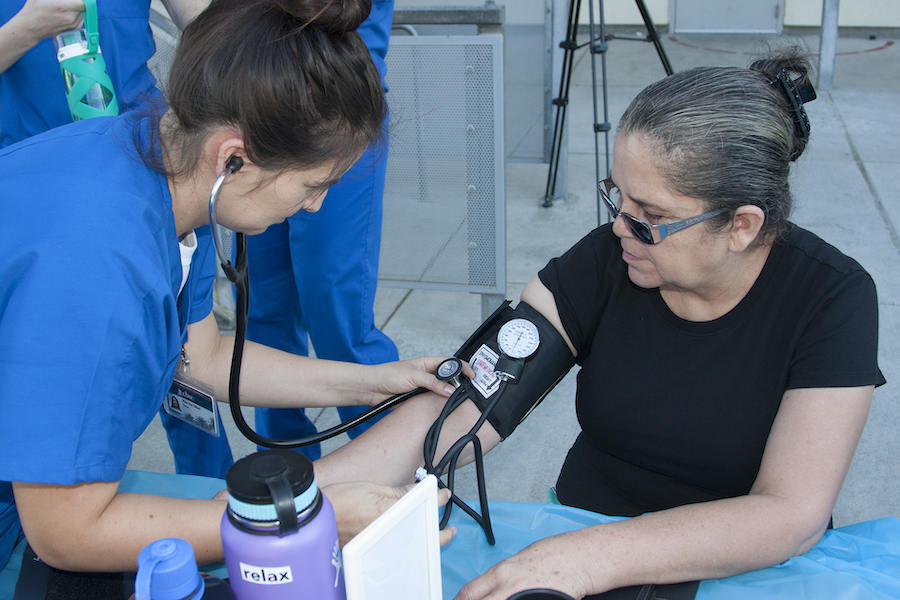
x=167 y=570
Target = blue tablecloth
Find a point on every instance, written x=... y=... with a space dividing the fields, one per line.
x=856 y=562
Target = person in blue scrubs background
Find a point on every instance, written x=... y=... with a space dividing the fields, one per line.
x=97 y=306
x=315 y=275
x=32 y=94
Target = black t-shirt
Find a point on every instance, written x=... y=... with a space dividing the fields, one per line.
x=675 y=412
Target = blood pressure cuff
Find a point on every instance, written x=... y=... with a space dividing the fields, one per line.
x=542 y=371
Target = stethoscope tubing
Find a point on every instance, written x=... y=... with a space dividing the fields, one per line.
x=238 y=275
x=234 y=382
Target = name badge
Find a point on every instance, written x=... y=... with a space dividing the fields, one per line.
x=193 y=401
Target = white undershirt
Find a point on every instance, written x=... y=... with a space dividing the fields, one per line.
x=188 y=246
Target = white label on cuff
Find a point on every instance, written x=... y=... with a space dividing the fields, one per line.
x=483 y=362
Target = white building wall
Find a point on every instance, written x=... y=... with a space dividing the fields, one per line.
x=625 y=12
x=518 y=12
x=853 y=13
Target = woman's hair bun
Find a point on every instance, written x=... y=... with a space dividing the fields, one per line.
x=334 y=16
x=794 y=59
x=794 y=68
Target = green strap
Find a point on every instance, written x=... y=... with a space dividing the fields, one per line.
x=91 y=26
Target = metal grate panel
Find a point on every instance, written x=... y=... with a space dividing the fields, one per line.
x=444 y=202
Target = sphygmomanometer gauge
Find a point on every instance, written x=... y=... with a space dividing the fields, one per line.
x=518 y=338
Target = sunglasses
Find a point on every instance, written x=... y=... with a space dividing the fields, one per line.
x=645 y=232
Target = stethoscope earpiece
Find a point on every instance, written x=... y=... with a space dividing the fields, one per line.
x=234 y=163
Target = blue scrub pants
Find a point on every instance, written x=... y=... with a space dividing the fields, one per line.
x=316 y=274
x=197 y=452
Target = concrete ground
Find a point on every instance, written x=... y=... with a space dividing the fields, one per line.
x=846 y=185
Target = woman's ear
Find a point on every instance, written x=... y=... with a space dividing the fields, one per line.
x=746 y=226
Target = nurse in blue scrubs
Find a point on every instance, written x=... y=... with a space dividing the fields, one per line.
x=106 y=271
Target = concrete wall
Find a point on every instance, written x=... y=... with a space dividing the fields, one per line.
x=531 y=12
x=518 y=12
x=626 y=13
x=853 y=13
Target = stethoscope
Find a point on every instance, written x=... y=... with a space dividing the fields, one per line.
x=238 y=275
x=510 y=338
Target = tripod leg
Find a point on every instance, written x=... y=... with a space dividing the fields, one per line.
x=569 y=46
x=599 y=46
x=653 y=36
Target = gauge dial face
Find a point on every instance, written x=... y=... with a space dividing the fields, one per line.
x=518 y=338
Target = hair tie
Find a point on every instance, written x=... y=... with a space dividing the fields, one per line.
x=797 y=97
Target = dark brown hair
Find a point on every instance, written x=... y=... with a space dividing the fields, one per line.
x=292 y=76
x=726 y=136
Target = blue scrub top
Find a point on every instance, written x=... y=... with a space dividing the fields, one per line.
x=32 y=91
x=91 y=325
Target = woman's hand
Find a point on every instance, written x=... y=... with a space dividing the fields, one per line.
x=546 y=564
x=406 y=375
x=358 y=504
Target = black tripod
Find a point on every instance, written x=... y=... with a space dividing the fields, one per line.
x=598 y=44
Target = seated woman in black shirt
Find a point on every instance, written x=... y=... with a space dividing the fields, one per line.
x=728 y=356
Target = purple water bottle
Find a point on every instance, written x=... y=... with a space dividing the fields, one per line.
x=279 y=532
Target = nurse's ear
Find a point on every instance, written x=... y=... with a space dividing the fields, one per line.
x=227 y=146
x=746 y=225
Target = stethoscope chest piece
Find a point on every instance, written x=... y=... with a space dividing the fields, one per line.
x=450 y=370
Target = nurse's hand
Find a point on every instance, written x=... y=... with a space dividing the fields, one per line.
x=406 y=375
x=358 y=504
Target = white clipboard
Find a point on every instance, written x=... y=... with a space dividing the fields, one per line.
x=398 y=556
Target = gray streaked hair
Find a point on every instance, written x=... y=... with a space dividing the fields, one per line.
x=725 y=136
